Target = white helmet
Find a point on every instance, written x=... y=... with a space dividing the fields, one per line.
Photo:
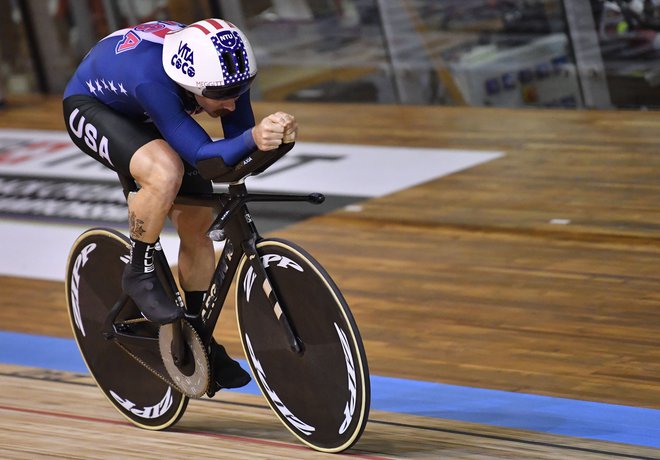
x=210 y=58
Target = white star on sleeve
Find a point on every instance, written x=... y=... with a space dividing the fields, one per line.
x=104 y=84
x=121 y=89
x=90 y=86
x=113 y=88
x=98 y=86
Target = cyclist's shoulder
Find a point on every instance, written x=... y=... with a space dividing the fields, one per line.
x=116 y=49
x=140 y=45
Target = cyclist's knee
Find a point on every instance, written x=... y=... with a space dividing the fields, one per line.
x=158 y=167
x=198 y=241
x=192 y=223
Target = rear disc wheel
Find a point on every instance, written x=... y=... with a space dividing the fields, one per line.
x=93 y=285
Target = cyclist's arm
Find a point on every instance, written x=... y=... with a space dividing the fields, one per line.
x=184 y=134
x=268 y=134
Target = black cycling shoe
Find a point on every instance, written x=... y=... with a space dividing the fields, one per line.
x=148 y=294
x=227 y=373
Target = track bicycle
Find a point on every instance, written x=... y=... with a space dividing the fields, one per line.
x=298 y=334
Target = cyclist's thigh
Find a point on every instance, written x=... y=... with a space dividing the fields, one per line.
x=104 y=134
x=193 y=182
x=112 y=139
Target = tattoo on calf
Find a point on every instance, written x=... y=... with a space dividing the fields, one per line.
x=135 y=225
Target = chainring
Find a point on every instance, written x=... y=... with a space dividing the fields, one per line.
x=196 y=384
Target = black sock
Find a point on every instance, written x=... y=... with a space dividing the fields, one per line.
x=142 y=255
x=194 y=301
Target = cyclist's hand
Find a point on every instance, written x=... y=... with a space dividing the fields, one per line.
x=274 y=130
x=290 y=127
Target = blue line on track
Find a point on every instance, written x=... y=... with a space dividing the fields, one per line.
x=569 y=417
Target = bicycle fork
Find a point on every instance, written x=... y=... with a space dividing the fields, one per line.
x=296 y=345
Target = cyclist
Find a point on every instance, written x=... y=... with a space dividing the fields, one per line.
x=129 y=105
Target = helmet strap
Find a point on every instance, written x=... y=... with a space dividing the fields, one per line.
x=189 y=101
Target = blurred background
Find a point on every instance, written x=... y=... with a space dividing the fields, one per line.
x=503 y=53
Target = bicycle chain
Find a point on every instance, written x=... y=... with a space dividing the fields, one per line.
x=168 y=379
x=138 y=359
x=148 y=367
x=134 y=321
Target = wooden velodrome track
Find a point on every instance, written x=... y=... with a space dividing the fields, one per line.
x=462 y=280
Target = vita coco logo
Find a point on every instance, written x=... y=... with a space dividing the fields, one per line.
x=184 y=59
x=80 y=262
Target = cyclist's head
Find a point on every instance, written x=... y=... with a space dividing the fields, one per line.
x=210 y=58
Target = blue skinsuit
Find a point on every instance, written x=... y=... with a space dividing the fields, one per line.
x=125 y=72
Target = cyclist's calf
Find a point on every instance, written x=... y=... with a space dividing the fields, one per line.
x=196 y=256
x=159 y=171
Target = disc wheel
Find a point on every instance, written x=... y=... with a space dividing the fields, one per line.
x=321 y=395
x=127 y=376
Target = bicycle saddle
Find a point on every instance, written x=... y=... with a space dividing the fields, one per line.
x=216 y=170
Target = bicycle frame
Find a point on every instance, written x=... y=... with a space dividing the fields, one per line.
x=235 y=226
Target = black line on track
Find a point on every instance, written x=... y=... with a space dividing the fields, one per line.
x=516 y=440
x=377 y=422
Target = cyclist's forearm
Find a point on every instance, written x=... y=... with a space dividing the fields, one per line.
x=230 y=150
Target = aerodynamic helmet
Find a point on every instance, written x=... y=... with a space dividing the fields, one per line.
x=211 y=58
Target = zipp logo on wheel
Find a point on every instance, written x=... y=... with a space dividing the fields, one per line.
x=149 y=412
x=261 y=375
x=80 y=262
x=267 y=260
x=349 y=410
